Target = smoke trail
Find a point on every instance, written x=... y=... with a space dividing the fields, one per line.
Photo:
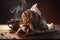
x=16 y=10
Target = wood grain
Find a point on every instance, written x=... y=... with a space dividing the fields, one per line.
x=7 y=33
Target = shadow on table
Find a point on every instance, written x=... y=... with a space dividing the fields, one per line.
x=46 y=35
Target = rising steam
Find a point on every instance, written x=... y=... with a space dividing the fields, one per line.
x=18 y=9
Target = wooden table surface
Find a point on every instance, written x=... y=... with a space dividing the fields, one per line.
x=6 y=31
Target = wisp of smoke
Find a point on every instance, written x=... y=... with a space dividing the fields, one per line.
x=16 y=10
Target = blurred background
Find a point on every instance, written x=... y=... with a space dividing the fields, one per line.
x=50 y=9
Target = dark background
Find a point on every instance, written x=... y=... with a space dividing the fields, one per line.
x=49 y=8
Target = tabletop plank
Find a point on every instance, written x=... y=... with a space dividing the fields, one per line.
x=5 y=30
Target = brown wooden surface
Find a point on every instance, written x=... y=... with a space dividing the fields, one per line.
x=5 y=29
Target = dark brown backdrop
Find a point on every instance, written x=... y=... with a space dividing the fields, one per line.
x=49 y=8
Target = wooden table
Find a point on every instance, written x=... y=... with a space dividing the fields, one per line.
x=6 y=31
